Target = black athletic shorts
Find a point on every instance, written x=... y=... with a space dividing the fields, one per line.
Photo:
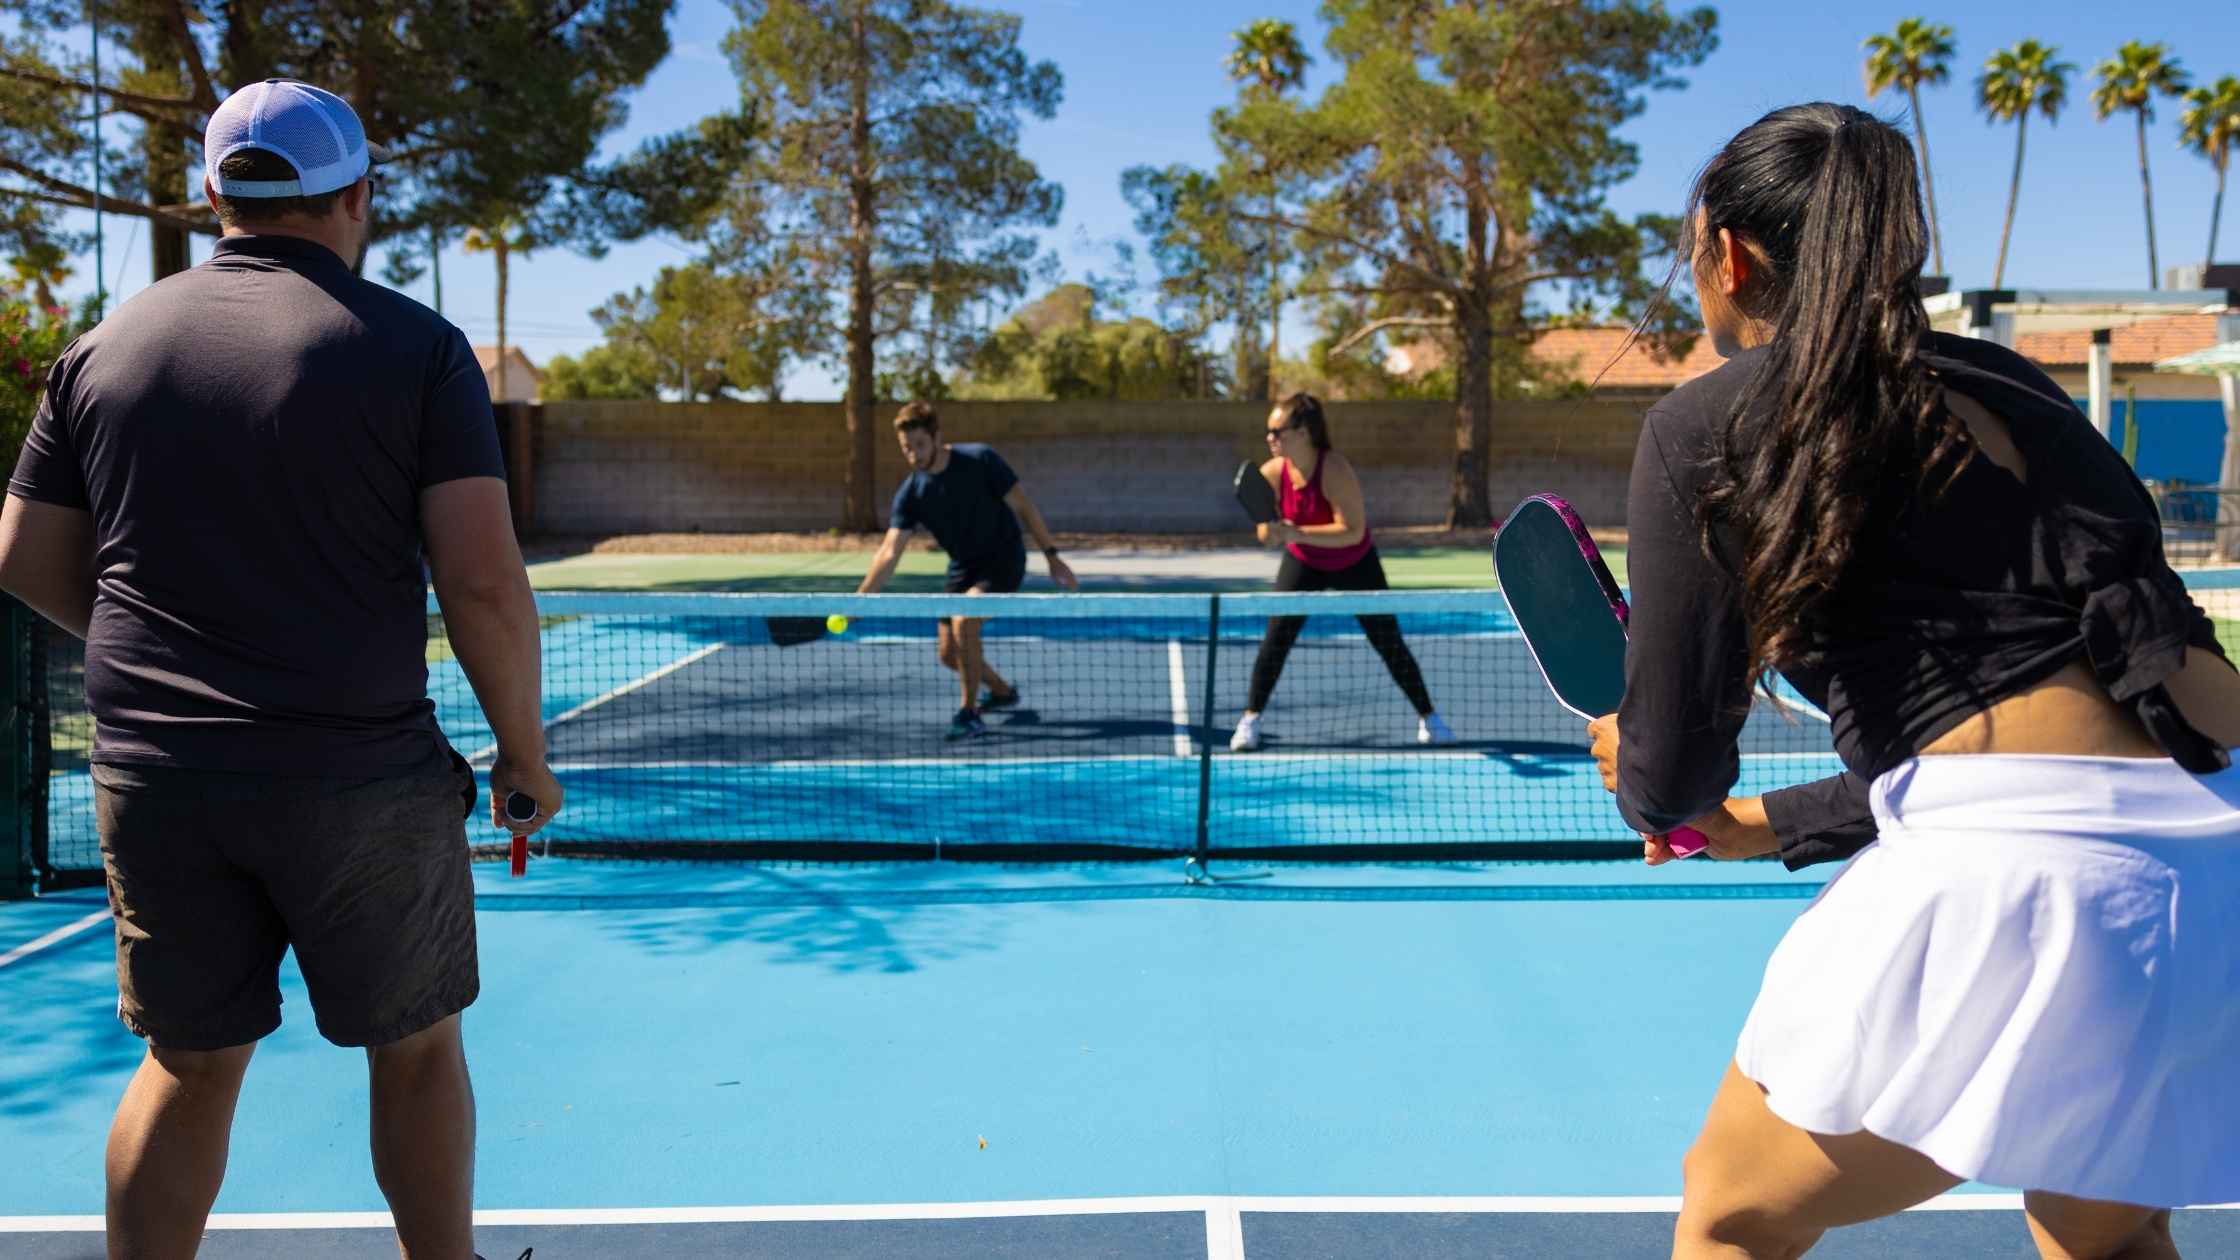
x=998 y=575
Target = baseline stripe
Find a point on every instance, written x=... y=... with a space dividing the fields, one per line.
x=1209 y=1205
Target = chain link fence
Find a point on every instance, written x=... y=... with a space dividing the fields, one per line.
x=2200 y=524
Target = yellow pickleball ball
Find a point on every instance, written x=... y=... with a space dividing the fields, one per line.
x=836 y=624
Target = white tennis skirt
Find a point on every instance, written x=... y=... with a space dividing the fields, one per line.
x=2032 y=977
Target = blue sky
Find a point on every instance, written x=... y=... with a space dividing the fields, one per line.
x=1142 y=75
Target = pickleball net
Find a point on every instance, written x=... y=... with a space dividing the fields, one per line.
x=684 y=730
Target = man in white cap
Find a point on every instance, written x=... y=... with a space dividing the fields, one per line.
x=228 y=491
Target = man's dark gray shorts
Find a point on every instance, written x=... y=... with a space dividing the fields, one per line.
x=214 y=876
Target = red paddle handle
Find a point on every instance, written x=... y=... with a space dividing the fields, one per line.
x=1686 y=841
x=520 y=855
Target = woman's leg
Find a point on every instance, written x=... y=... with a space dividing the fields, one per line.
x=2091 y=1229
x=1275 y=645
x=1760 y=1188
x=1384 y=635
x=1367 y=574
x=1267 y=667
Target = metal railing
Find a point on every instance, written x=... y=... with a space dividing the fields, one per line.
x=2200 y=524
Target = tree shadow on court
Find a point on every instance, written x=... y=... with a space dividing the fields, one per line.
x=59 y=1028
x=831 y=919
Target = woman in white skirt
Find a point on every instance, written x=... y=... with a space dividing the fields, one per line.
x=2032 y=977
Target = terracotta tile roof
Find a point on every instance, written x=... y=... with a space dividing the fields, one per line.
x=1588 y=351
x=2137 y=345
x=1584 y=353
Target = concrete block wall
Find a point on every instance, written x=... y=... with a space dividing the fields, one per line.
x=608 y=467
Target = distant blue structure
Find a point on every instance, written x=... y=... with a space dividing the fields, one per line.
x=2180 y=439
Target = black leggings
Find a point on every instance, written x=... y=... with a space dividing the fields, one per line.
x=1383 y=629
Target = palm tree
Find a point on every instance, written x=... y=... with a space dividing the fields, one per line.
x=501 y=241
x=2014 y=82
x=1269 y=61
x=2210 y=126
x=2131 y=80
x=1269 y=57
x=1916 y=53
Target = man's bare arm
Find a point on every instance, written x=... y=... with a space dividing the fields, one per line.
x=46 y=560
x=883 y=564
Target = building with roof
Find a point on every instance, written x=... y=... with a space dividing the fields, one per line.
x=520 y=381
x=1609 y=359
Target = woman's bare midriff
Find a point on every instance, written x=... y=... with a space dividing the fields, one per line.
x=2070 y=714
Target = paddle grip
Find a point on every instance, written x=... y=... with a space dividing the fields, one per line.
x=521 y=807
x=1686 y=841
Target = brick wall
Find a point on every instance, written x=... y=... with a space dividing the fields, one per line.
x=606 y=468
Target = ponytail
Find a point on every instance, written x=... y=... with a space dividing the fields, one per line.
x=1840 y=425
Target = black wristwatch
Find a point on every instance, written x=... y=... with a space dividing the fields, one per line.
x=1050 y=553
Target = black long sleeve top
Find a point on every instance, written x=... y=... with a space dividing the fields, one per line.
x=1971 y=594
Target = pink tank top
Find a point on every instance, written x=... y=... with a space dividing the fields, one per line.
x=1307 y=505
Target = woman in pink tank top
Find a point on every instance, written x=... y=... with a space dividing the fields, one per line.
x=1325 y=536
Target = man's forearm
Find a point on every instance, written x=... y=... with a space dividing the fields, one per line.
x=493 y=632
x=69 y=605
x=882 y=568
x=1043 y=538
x=46 y=560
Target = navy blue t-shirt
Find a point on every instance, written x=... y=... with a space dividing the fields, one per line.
x=962 y=507
x=251 y=438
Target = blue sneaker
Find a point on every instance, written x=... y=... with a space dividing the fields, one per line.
x=966 y=725
x=1008 y=700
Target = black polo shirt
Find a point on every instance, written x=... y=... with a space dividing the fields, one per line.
x=251 y=437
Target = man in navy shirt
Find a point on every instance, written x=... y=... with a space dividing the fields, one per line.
x=972 y=503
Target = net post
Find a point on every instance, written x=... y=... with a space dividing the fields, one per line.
x=25 y=774
x=1202 y=850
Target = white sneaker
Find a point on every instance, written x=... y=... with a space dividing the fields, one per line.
x=1247 y=738
x=1433 y=729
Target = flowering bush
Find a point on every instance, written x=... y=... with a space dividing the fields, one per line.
x=30 y=338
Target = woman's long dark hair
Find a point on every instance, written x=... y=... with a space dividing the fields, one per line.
x=1841 y=423
x=1305 y=410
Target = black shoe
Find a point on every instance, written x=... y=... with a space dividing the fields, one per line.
x=966 y=725
x=1008 y=700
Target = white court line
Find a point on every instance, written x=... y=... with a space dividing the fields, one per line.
x=1227 y=1207
x=54 y=938
x=1797 y=705
x=619 y=692
x=1178 y=698
x=1224 y=1231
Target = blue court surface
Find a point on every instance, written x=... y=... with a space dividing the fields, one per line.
x=939 y=1059
x=1497 y=1060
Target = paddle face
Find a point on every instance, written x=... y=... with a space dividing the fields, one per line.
x=794 y=631
x=1255 y=494
x=1570 y=612
x=1565 y=603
